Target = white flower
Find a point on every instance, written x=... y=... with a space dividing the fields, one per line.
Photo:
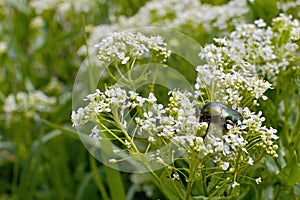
x=95 y=132
x=78 y=117
x=235 y=184
x=250 y=161
x=175 y=177
x=258 y=180
x=3 y=47
x=123 y=46
x=128 y=144
x=30 y=104
x=125 y=60
x=260 y=23
x=10 y=104
x=225 y=166
x=151 y=139
x=151 y=98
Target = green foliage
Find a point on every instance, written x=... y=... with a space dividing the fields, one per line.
x=42 y=157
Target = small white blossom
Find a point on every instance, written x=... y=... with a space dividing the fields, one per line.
x=3 y=47
x=175 y=177
x=95 y=132
x=250 y=161
x=151 y=98
x=151 y=139
x=30 y=104
x=260 y=23
x=258 y=180
x=125 y=45
x=78 y=118
x=128 y=144
x=225 y=166
x=235 y=184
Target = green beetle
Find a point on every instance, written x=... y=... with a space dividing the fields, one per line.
x=220 y=114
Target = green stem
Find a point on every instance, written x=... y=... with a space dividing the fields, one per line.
x=189 y=189
x=193 y=167
x=217 y=190
x=153 y=82
x=218 y=181
x=110 y=73
x=97 y=178
x=119 y=71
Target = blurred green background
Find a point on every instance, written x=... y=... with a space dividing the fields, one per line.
x=41 y=45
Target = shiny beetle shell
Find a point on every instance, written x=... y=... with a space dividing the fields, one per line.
x=219 y=113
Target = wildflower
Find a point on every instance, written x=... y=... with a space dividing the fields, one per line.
x=176 y=14
x=37 y=22
x=151 y=139
x=95 y=132
x=235 y=184
x=260 y=23
x=3 y=47
x=258 y=180
x=78 y=118
x=225 y=166
x=175 y=177
x=253 y=51
x=31 y=104
x=151 y=99
x=250 y=161
x=123 y=46
x=128 y=144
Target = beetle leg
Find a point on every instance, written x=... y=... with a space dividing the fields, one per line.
x=206 y=129
x=228 y=121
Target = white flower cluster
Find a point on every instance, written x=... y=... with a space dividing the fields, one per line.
x=189 y=13
x=190 y=143
x=211 y=18
x=159 y=12
x=178 y=118
x=286 y=5
x=229 y=86
x=178 y=122
x=30 y=104
x=113 y=100
x=182 y=15
x=175 y=124
x=231 y=75
x=256 y=50
x=125 y=46
x=255 y=129
x=63 y=6
x=250 y=136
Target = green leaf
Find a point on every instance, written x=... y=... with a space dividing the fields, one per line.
x=84 y=183
x=264 y=9
x=113 y=176
x=290 y=174
x=131 y=191
x=297 y=189
x=172 y=189
x=115 y=183
x=271 y=166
